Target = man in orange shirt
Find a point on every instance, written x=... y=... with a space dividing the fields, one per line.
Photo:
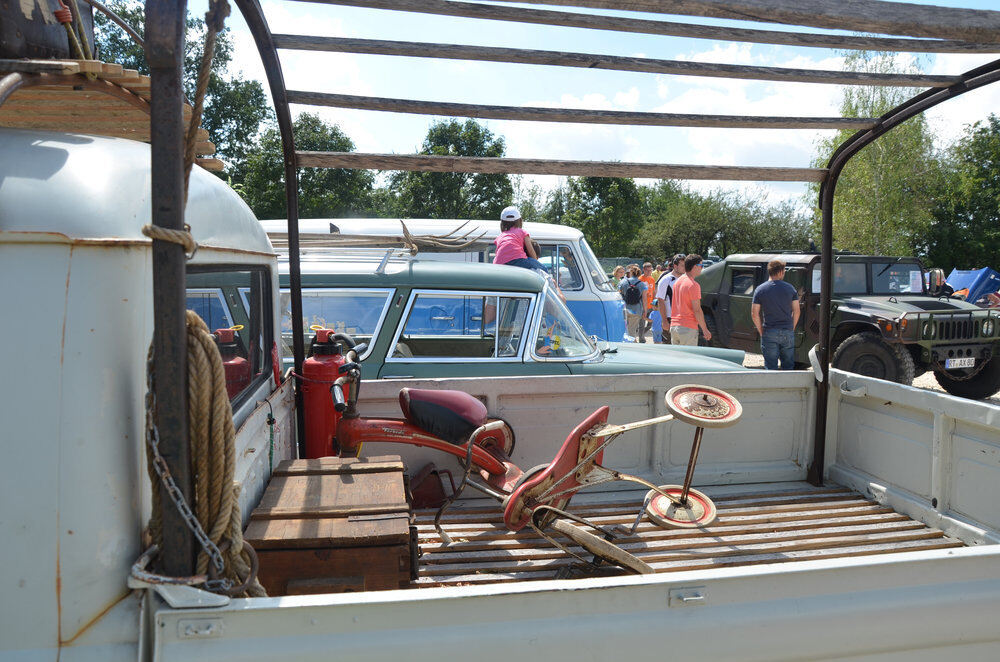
x=685 y=314
x=647 y=277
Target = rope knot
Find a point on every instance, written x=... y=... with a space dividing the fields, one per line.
x=182 y=237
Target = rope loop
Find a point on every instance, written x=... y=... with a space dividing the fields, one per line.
x=182 y=237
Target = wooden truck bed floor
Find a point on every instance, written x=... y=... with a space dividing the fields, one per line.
x=790 y=522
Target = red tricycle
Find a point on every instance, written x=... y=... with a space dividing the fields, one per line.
x=457 y=423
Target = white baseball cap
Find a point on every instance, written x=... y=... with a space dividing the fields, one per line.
x=510 y=214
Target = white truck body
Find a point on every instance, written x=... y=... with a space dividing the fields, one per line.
x=75 y=497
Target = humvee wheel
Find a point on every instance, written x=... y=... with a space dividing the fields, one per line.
x=984 y=384
x=867 y=354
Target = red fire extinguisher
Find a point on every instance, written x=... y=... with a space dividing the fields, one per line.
x=237 y=368
x=319 y=372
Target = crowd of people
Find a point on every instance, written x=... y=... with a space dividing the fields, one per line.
x=666 y=302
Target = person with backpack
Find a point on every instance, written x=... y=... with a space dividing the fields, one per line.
x=633 y=291
x=665 y=293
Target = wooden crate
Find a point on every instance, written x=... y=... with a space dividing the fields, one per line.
x=334 y=525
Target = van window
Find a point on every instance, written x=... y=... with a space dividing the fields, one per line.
x=357 y=312
x=236 y=297
x=601 y=281
x=562 y=266
x=461 y=326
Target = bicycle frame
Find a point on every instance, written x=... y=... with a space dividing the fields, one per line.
x=353 y=432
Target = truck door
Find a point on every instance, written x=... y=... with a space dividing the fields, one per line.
x=742 y=282
x=796 y=277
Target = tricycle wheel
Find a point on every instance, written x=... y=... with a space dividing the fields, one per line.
x=601 y=548
x=982 y=385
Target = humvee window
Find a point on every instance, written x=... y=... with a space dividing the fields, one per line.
x=848 y=278
x=896 y=278
x=743 y=280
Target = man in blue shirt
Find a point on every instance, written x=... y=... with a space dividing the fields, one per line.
x=778 y=303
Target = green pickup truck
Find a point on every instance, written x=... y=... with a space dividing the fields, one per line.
x=886 y=322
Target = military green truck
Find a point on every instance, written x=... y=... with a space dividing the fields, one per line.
x=887 y=321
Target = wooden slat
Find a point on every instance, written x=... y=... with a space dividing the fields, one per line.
x=610 y=62
x=329 y=466
x=646 y=546
x=647 y=531
x=752 y=516
x=753 y=528
x=573 y=115
x=876 y=16
x=427 y=163
x=483 y=577
x=642 y=26
x=63 y=67
x=212 y=165
x=717 y=556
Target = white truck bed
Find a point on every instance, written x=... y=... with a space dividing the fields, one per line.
x=893 y=558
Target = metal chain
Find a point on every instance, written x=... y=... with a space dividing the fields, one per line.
x=163 y=471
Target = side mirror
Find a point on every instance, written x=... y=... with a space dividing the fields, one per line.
x=936 y=282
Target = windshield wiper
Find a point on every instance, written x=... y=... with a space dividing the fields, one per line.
x=886 y=267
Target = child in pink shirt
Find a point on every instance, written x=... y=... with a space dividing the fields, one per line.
x=513 y=243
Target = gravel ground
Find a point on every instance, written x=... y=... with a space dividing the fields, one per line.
x=925 y=380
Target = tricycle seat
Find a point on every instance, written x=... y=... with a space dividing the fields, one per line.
x=449 y=415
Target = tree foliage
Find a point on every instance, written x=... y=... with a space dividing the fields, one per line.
x=323 y=192
x=965 y=232
x=235 y=108
x=684 y=221
x=606 y=209
x=884 y=198
x=455 y=194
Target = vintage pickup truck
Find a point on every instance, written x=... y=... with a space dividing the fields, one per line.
x=894 y=556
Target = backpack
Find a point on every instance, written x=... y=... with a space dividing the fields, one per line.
x=633 y=295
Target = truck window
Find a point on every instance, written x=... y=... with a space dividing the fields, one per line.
x=897 y=278
x=796 y=277
x=236 y=298
x=460 y=327
x=743 y=280
x=356 y=312
x=848 y=278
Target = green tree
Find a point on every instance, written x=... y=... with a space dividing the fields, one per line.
x=455 y=194
x=884 y=198
x=235 y=110
x=606 y=210
x=323 y=192
x=965 y=232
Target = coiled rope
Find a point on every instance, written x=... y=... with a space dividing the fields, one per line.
x=213 y=461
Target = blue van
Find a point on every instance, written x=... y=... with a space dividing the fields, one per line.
x=590 y=296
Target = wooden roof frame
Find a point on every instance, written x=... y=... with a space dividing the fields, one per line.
x=919 y=28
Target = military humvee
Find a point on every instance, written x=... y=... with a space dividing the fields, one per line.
x=887 y=321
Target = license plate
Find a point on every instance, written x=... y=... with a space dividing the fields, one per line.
x=960 y=363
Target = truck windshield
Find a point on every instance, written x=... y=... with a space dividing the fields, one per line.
x=897 y=278
x=559 y=334
x=594 y=267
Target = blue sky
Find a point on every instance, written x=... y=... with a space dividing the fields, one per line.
x=529 y=85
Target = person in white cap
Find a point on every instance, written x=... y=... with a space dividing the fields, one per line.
x=513 y=243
